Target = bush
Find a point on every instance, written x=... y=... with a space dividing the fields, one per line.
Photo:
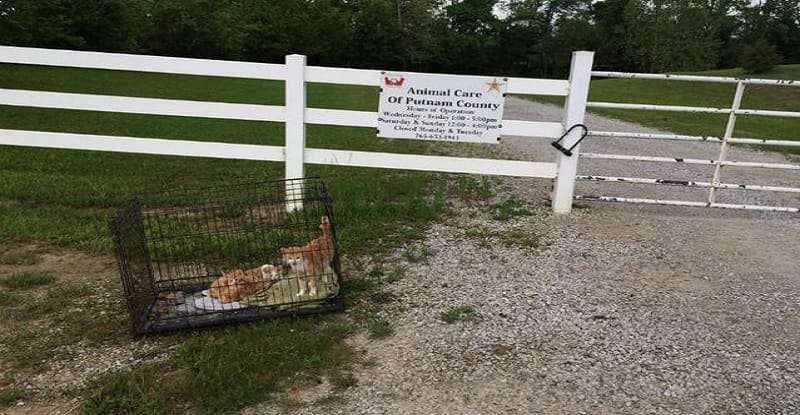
x=760 y=57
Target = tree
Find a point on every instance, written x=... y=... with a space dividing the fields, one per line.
x=196 y=28
x=539 y=35
x=105 y=25
x=529 y=38
x=377 y=33
x=670 y=36
x=783 y=30
x=571 y=34
x=417 y=20
x=760 y=57
x=395 y=33
x=726 y=17
x=469 y=34
x=320 y=29
x=611 y=32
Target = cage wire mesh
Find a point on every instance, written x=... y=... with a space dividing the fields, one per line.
x=198 y=257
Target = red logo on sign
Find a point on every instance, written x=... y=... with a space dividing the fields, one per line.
x=393 y=82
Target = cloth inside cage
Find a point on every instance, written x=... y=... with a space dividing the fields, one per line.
x=282 y=294
x=202 y=301
x=285 y=293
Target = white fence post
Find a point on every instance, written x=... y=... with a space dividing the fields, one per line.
x=295 y=129
x=580 y=75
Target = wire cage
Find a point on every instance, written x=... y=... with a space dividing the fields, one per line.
x=200 y=257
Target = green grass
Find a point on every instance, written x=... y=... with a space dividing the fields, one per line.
x=54 y=301
x=394 y=275
x=519 y=237
x=417 y=254
x=509 y=209
x=248 y=362
x=63 y=198
x=460 y=313
x=378 y=327
x=8 y=298
x=44 y=319
x=704 y=94
x=471 y=189
x=224 y=369
x=27 y=279
x=365 y=294
x=10 y=395
x=344 y=380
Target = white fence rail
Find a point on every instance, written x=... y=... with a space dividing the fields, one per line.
x=295 y=114
x=718 y=163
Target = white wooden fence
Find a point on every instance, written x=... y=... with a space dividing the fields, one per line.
x=714 y=182
x=295 y=114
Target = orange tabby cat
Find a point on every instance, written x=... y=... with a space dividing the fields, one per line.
x=309 y=261
x=234 y=285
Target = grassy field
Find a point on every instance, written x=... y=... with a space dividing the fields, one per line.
x=642 y=91
x=64 y=197
x=56 y=202
x=55 y=205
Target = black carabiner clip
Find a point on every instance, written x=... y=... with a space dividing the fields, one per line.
x=568 y=152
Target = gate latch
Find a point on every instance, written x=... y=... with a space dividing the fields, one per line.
x=568 y=151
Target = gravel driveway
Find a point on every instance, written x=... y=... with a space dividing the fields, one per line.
x=621 y=309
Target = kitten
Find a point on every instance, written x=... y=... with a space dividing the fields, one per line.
x=309 y=262
x=234 y=285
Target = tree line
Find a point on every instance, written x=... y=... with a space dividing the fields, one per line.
x=514 y=37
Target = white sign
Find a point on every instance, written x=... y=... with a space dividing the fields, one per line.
x=441 y=107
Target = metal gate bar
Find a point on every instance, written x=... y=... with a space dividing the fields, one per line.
x=723 y=151
x=696 y=138
x=686 y=203
x=690 y=161
x=724 y=141
x=697 y=78
x=670 y=182
x=653 y=136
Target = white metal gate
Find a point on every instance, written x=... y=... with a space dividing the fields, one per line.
x=715 y=182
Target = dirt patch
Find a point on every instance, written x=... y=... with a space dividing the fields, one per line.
x=66 y=265
x=53 y=407
x=58 y=336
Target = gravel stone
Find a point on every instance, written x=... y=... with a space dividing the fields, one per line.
x=623 y=309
